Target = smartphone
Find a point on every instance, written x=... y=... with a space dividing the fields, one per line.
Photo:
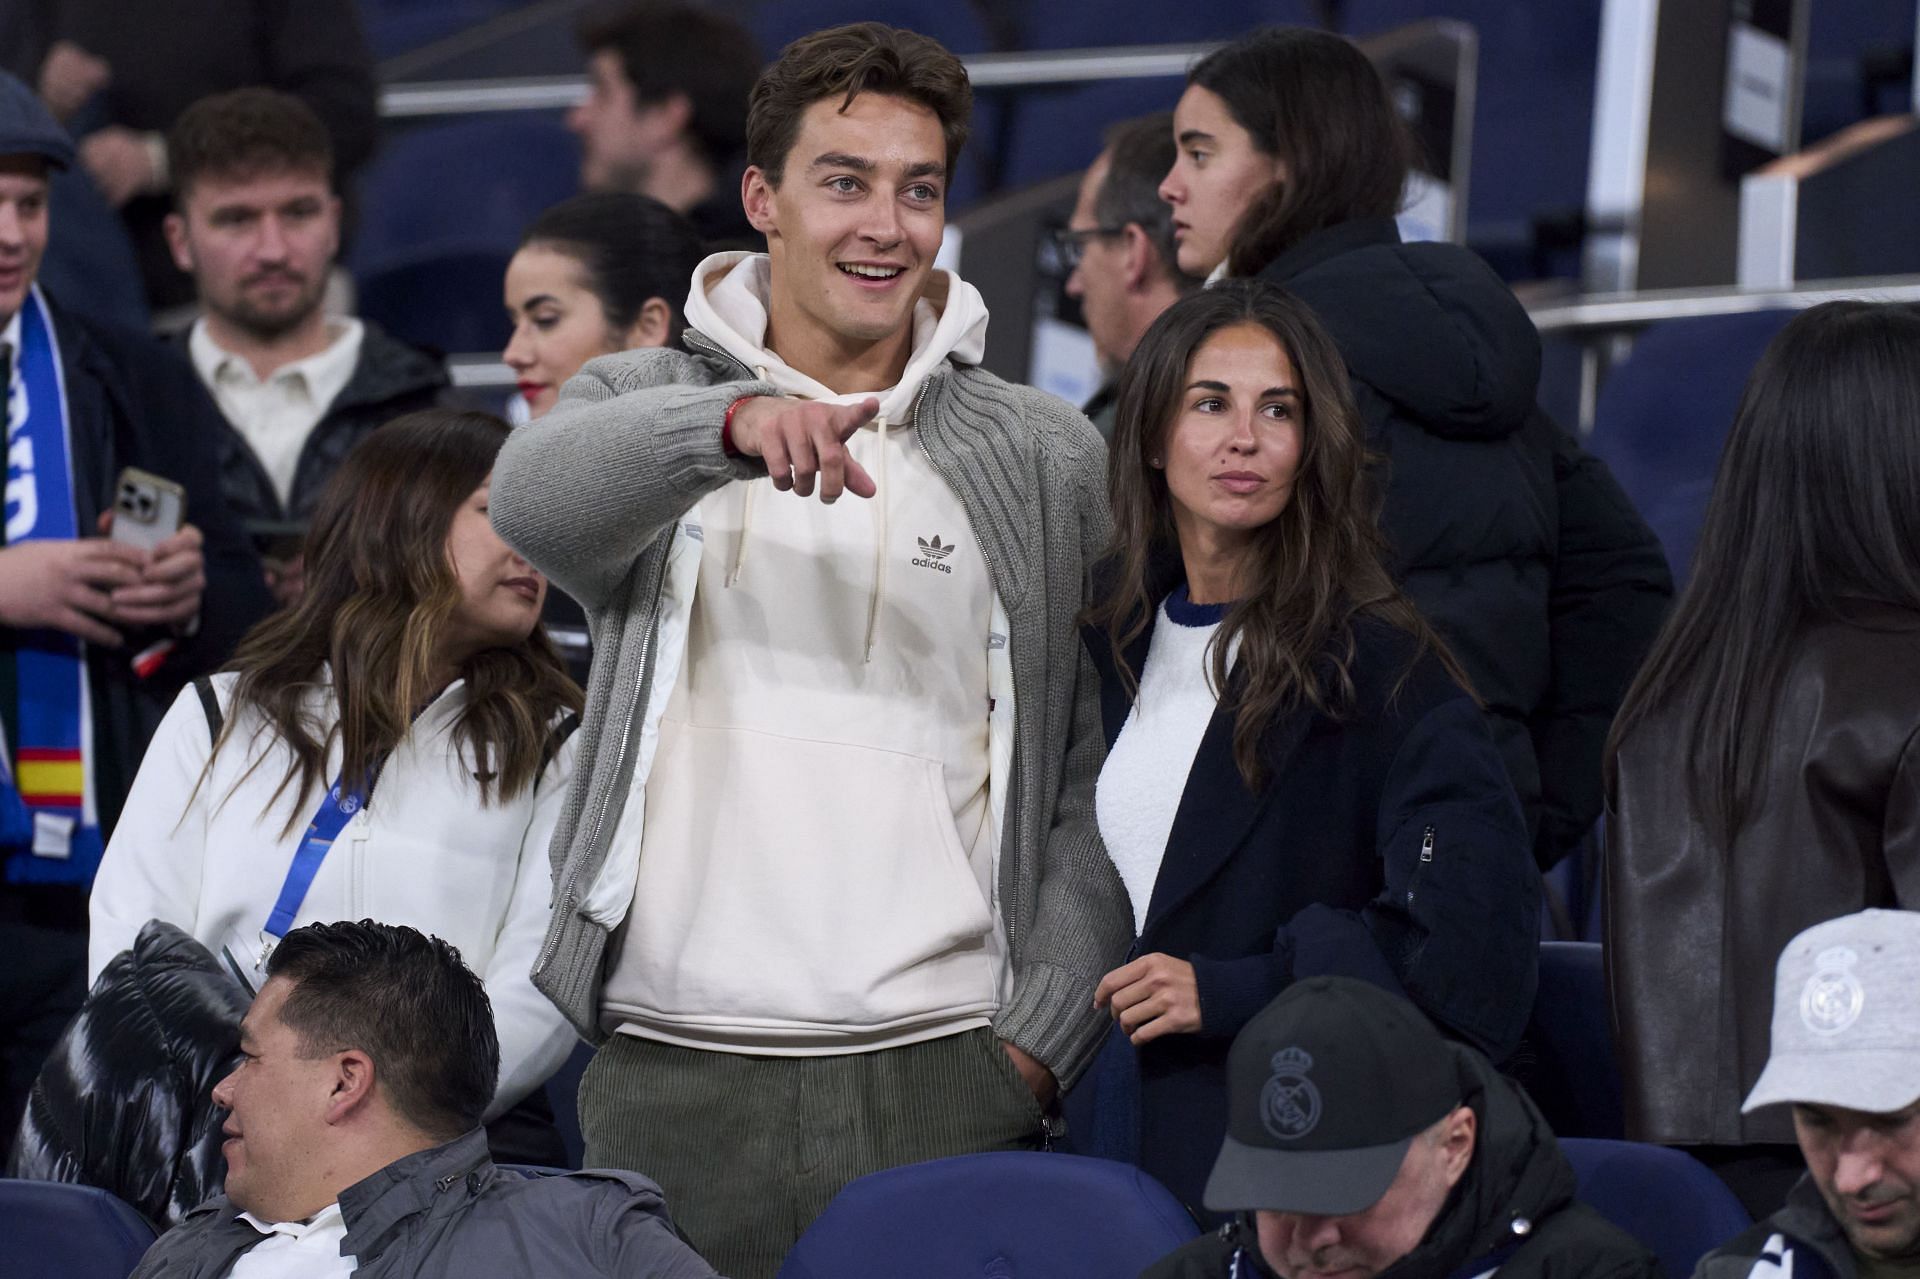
x=147 y=509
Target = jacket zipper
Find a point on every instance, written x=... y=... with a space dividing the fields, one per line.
x=1426 y=859
x=570 y=882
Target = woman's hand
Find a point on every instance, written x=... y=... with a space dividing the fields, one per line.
x=1154 y=995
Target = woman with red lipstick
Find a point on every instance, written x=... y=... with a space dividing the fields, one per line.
x=394 y=747
x=1299 y=781
x=595 y=275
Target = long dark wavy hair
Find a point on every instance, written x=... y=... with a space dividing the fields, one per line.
x=380 y=594
x=1814 y=512
x=1309 y=575
x=1312 y=100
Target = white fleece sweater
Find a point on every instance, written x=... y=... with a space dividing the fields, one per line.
x=816 y=873
x=424 y=852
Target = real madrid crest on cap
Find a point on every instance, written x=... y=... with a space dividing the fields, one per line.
x=1290 y=1104
x=1846 y=1016
x=1833 y=997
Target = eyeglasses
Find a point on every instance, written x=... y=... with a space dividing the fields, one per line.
x=1071 y=243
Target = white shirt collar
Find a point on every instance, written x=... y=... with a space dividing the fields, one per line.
x=11 y=334
x=328 y=1218
x=330 y=366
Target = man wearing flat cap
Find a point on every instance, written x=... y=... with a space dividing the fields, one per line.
x=1358 y=1139
x=97 y=636
x=1845 y=1055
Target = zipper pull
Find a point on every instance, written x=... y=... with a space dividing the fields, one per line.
x=1426 y=846
x=357 y=829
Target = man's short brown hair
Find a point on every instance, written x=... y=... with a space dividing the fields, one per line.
x=243 y=134
x=844 y=62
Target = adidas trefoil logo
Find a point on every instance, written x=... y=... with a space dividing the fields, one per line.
x=932 y=553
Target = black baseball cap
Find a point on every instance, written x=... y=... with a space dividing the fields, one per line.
x=1327 y=1086
x=28 y=128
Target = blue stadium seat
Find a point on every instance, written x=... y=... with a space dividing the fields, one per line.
x=982 y=1216
x=394 y=28
x=1668 y=1200
x=956 y=26
x=52 y=1230
x=446 y=296
x=1533 y=117
x=1665 y=410
x=479 y=181
x=1574 y=1077
x=1057 y=130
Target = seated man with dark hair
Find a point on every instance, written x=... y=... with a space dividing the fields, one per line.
x=1359 y=1141
x=354 y=1144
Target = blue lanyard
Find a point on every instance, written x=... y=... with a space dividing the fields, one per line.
x=336 y=810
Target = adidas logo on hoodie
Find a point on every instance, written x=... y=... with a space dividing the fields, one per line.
x=932 y=553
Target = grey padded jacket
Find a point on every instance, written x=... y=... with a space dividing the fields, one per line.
x=448 y=1213
x=593 y=494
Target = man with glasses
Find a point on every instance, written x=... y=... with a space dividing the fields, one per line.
x=1118 y=248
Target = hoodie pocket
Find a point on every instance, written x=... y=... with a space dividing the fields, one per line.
x=791 y=886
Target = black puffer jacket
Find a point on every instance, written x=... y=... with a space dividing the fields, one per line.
x=390 y=378
x=1516 y=543
x=124 y=1103
x=1514 y=1210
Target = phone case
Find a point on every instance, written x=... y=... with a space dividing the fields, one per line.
x=147 y=510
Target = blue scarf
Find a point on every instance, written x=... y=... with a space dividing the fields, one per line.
x=50 y=778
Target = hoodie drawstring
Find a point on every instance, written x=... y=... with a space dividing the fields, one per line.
x=879 y=541
x=746 y=515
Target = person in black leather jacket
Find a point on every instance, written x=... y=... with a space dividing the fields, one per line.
x=1518 y=545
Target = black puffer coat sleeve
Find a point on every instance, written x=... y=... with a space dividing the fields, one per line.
x=125 y=1102
x=1610 y=594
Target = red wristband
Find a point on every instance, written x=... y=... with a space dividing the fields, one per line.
x=726 y=428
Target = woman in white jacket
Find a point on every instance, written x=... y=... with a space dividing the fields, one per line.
x=394 y=747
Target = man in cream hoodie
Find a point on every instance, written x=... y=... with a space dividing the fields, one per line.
x=829 y=881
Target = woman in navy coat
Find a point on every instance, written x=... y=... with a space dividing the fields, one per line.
x=1299 y=781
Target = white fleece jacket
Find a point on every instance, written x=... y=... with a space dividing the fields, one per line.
x=424 y=852
x=816 y=874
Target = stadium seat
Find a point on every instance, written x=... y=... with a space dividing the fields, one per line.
x=1574 y=1077
x=402 y=26
x=1665 y=410
x=1057 y=130
x=1668 y=1200
x=446 y=297
x=994 y=1216
x=479 y=181
x=956 y=26
x=57 y=1231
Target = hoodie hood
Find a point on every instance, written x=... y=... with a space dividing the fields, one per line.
x=728 y=306
x=1429 y=327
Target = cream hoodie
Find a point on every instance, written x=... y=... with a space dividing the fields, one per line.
x=816 y=871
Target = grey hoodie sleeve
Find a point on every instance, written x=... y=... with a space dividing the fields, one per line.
x=633 y=443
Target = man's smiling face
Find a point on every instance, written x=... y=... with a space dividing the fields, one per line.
x=855 y=223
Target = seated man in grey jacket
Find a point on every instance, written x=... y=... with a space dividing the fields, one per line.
x=354 y=1143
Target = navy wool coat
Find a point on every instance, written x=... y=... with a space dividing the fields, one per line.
x=1387 y=846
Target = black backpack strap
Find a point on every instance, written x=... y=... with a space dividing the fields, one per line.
x=210 y=703
x=558 y=738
